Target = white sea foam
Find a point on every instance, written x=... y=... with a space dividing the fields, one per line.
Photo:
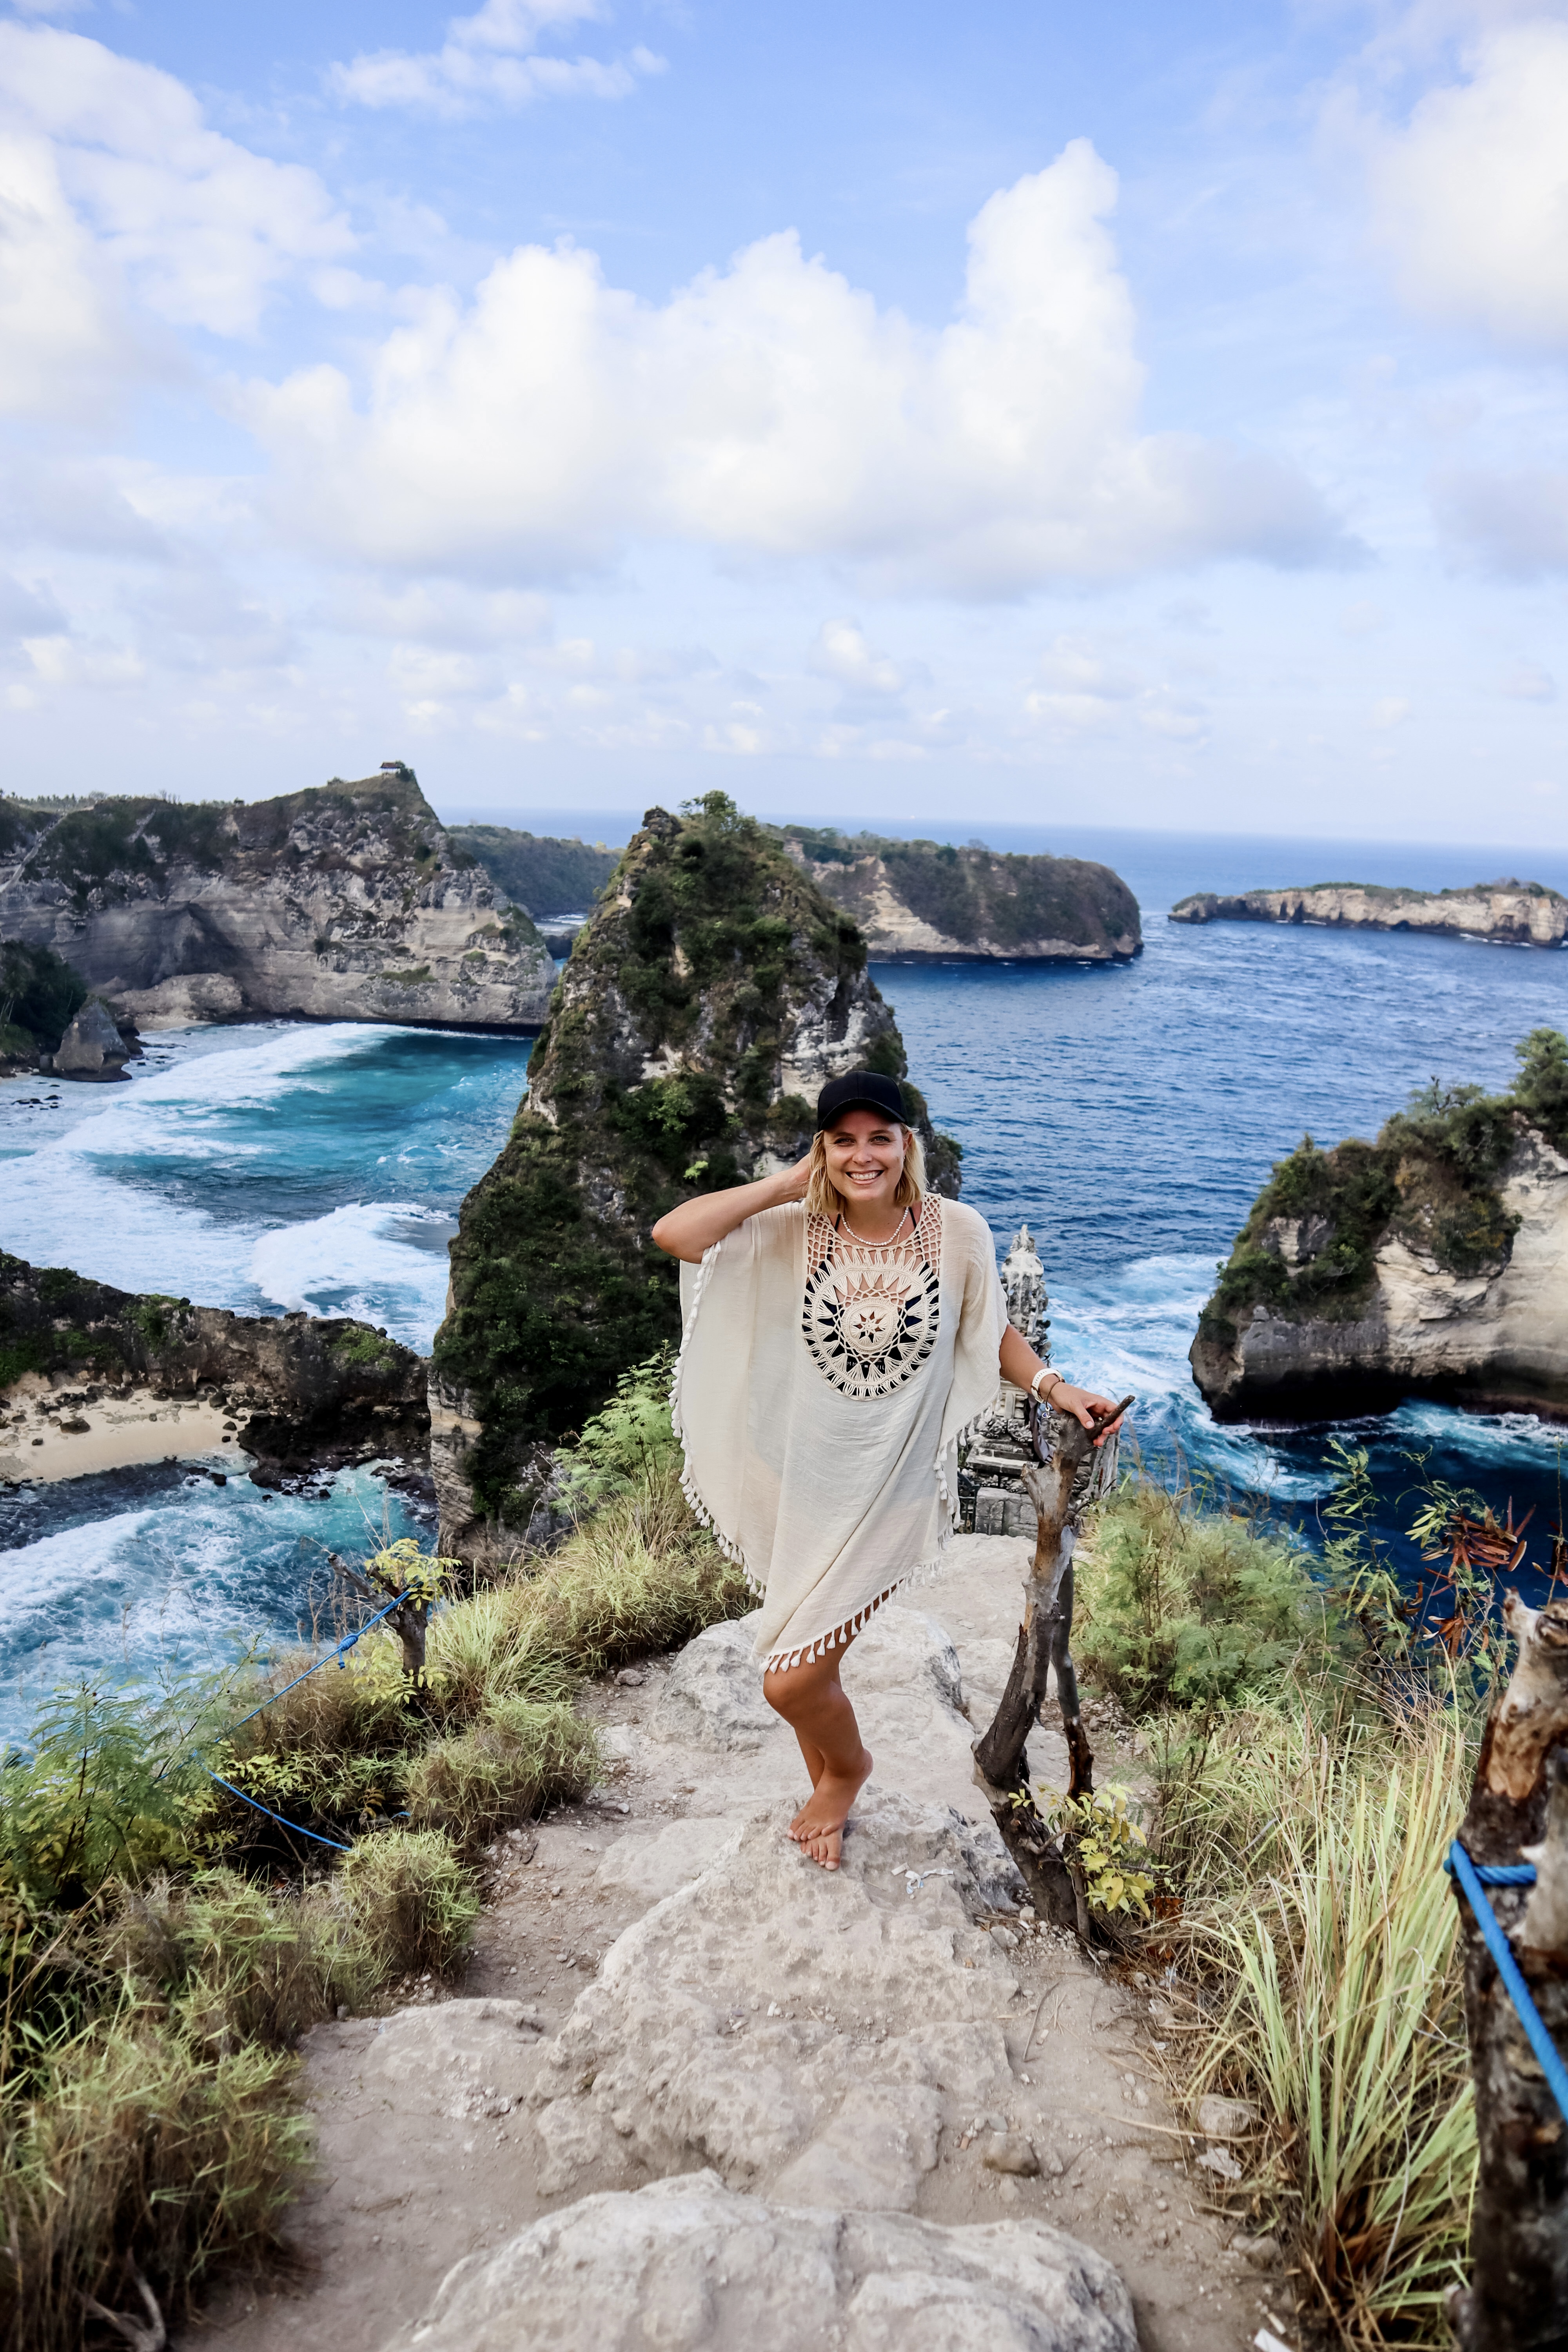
x=381 y=1261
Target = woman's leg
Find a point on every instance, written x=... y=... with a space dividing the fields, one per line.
x=811 y=1701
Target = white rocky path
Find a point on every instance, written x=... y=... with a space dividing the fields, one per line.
x=702 y=2094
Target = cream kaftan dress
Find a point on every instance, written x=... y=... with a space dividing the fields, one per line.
x=821 y=1389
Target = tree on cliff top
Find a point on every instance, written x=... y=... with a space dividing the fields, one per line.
x=712 y=992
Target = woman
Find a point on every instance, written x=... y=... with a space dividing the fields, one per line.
x=842 y=1326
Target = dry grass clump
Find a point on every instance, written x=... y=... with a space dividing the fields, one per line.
x=1321 y=1932
x=504 y=1767
x=412 y=1903
x=135 y=2151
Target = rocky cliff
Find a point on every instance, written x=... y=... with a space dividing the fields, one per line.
x=712 y=993
x=347 y=902
x=1432 y=1261
x=302 y=1392
x=548 y=875
x=1523 y=914
x=925 y=901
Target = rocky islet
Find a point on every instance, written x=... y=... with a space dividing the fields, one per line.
x=1508 y=912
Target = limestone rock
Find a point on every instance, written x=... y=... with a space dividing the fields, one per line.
x=347 y=902
x=1010 y=2152
x=807 y=2033
x=685 y=2264
x=1220 y=2118
x=713 y=1698
x=1526 y=913
x=316 y=1389
x=654 y=1862
x=92 y=1048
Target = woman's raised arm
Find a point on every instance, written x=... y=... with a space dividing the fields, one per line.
x=692 y=1228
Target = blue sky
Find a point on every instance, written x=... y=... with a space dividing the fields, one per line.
x=1048 y=416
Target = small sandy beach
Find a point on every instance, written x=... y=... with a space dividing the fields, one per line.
x=42 y=1435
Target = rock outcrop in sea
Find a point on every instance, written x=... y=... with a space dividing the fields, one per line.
x=1522 y=914
x=345 y=902
x=710 y=996
x=928 y=902
x=305 y=1392
x=1431 y=1263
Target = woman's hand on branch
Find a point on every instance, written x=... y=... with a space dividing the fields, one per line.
x=1083 y=1404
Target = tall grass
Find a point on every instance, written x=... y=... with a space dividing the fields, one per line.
x=1321 y=1925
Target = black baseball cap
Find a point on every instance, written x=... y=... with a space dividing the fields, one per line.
x=860 y=1091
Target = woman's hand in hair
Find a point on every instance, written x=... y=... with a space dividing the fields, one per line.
x=793 y=1182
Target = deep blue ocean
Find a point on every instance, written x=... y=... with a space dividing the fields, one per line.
x=1129 y=1116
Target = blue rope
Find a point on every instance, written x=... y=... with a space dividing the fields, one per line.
x=1473 y=1882
x=271 y=1816
x=341 y=1654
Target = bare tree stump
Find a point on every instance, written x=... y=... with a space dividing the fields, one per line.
x=1001 y=1762
x=1517 y=2300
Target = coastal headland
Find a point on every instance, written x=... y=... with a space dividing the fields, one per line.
x=343 y=902
x=1515 y=914
x=929 y=902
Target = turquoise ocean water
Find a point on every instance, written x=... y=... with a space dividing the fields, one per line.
x=1128 y=1115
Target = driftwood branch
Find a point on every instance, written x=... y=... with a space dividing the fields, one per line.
x=1000 y=1763
x=150 y=2338
x=1517 y=2300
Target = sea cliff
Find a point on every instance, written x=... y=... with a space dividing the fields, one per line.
x=927 y=901
x=345 y=902
x=549 y=876
x=1431 y=1263
x=712 y=992
x=300 y=1391
x=1521 y=914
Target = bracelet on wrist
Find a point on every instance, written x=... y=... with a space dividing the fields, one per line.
x=1045 y=1373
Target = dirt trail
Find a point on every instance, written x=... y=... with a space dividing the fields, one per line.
x=661 y=1984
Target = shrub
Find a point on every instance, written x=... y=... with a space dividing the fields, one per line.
x=518 y=1755
x=1197 y=1609
x=412 y=1903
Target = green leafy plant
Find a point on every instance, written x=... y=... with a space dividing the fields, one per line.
x=1100 y=1836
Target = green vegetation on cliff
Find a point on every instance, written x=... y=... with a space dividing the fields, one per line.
x=712 y=980
x=39 y=997
x=547 y=876
x=1431 y=1178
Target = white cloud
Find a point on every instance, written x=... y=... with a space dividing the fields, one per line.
x=1469 y=195
x=490 y=59
x=1526 y=681
x=773 y=410
x=1390 y=710
x=1512 y=522
x=842 y=651
x=111 y=183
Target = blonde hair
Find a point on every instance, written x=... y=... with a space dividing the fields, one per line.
x=822 y=1197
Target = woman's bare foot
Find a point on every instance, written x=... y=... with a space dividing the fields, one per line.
x=818 y=1826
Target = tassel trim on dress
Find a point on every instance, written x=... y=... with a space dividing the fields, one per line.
x=700 y=1508
x=780 y=1661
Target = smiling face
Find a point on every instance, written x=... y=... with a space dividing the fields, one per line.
x=865 y=1160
